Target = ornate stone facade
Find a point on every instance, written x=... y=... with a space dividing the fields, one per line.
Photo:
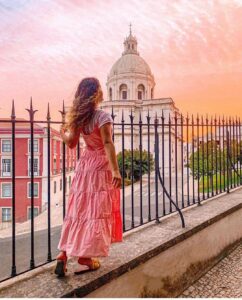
x=130 y=86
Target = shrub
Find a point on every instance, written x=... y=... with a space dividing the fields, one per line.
x=137 y=163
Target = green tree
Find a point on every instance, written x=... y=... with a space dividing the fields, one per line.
x=204 y=162
x=136 y=163
x=240 y=157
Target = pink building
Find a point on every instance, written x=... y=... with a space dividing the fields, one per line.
x=22 y=170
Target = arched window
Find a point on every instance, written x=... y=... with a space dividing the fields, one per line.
x=141 y=91
x=110 y=94
x=123 y=92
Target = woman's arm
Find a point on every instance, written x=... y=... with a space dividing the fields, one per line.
x=106 y=135
x=72 y=139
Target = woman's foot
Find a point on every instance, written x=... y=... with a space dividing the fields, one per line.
x=60 y=268
x=91 y=263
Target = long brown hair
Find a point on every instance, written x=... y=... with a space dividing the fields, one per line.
x=87 y=97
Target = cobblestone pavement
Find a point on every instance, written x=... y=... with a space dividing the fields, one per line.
x=223 y=280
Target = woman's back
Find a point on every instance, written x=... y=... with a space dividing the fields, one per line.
x=91 y=133
x=93 y=220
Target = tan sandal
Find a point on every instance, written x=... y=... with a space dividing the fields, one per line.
x=93 y=266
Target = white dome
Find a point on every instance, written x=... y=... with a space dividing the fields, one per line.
x=130 y=78
x=130 y=63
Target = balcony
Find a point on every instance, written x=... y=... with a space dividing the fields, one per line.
x=151 y=262
x=55 y=171
x=36 y=173
x=167 y=184
x=6 y=173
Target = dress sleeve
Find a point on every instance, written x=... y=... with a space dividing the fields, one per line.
x=104 y=118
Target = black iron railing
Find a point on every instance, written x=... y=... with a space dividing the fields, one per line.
x=174 y=162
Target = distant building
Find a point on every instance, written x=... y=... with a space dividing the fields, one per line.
x=130 y=85
x=23 y=172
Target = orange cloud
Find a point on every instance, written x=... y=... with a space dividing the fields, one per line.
x=192 y=47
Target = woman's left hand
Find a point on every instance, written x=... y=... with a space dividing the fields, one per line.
x=117 y=179
x=62 y=129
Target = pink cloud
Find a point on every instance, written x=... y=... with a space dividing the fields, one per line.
x=47 y=47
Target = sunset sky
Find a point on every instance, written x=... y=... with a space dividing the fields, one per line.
x=194 y=49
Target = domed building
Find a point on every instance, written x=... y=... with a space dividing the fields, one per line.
x=130 y=87
x=130 y=77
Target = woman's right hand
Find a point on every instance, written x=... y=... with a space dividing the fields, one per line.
x=117 y=179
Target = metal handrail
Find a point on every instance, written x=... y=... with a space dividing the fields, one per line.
x=160 y=178
x=169 y=197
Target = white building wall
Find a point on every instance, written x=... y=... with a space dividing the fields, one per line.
x=138 y=106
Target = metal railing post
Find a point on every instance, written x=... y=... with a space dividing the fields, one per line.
x=31 y=116
x=156 y=170
x=13 y=118
x=48 y=185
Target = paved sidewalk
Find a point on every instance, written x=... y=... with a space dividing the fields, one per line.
x=224 y=280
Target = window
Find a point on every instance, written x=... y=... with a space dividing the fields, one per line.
x=6 y=167
x=36 y=212
x=69 y=181
x=123 y=94
x=60 y=184
x=54 y=187
x=61 y=164
x=36 y=166
x=6 y=214
x=54 y=162
x=6 y=146
x=110 y=94
x=36 y=189
x=152 y=93
x=6 y=190
x=36 y=145
x=141 y=91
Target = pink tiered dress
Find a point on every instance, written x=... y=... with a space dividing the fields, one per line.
x=93 y=219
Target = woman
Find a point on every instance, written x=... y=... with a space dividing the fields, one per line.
x=93 y=220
